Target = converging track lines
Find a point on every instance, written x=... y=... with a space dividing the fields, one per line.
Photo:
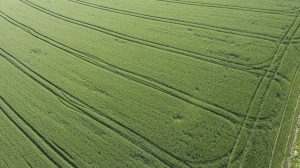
x=294 y=119
x=28 y=30
x=144 y=80
x=276 y=62
x=289 y=95
x=127 y=133
x=95 y=91
x=283 y=114
x=180 y=52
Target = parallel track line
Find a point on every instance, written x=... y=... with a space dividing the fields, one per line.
x=180 y=52
x=95 y=114
x=38 y=145
x=180 y=22
x=278 y=62
x=269 y=11
x=144 y=80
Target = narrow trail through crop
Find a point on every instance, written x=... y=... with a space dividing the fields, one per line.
x=285 y=41
x=294 y=119
x=283 y=114
x=288 y=99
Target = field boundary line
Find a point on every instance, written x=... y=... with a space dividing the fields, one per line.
x=275 y=73
x=179 y=52
x=180 y=22
x=291 y=128
x=283 y=114
x=277 y=59
x=287 y=101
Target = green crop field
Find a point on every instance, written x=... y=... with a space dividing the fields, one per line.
x=149 y=83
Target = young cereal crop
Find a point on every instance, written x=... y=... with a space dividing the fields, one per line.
x=149 y=83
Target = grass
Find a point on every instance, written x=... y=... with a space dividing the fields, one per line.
x=148 y=83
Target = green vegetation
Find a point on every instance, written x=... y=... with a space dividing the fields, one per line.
x=148 y=83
